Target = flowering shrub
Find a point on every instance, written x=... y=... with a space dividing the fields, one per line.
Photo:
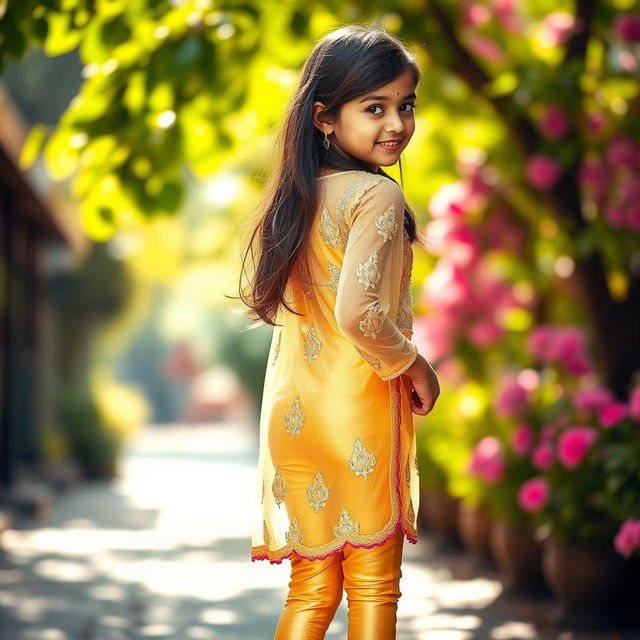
x=568 y=460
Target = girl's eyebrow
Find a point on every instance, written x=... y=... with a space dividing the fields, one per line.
x=411 y=95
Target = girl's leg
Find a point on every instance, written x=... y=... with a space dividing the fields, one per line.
x=372 y=582
x=315 y=592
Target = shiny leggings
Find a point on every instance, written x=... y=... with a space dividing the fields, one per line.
x=371 y=578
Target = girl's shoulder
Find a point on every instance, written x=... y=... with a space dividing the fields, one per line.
x=375 y=180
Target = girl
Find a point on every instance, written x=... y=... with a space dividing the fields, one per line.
x=337 y=485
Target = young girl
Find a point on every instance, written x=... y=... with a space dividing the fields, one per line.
x=337 y=487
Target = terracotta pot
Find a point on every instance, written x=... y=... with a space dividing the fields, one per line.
x=474 y=526
x=589 y=583
x=439 y=511
x=518 y=556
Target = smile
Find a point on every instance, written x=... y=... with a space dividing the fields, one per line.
x=390 y=146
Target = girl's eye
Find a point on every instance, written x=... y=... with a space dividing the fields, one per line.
x=377 y=106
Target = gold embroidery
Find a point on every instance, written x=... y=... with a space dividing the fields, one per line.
x=367 y=272
x=411 y=516
x=265 y=533
x=407 y=473
x=371 y=325
x=260 y=551
x=404 y=320
x=295 y=533
x=334 y=276
x=328 y=229
x=415 y=463
x=276 y=351
x=361 y=461
x=312 y=345
x=353 y=194
x=372 y=360
x=386 y=222
x=318 y=492
x=346 y=525
x=279 y=487
x=294 y=419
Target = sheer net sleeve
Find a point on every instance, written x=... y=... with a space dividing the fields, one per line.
x=371 y=270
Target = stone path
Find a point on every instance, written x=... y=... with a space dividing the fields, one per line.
x=163 y=552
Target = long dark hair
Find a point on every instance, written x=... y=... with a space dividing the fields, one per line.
x=345 y=63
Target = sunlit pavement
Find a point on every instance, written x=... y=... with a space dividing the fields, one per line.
x=163 y=552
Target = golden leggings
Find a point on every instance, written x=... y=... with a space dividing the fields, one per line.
x=371 y=578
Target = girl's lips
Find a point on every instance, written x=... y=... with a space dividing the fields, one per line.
x=390 y=147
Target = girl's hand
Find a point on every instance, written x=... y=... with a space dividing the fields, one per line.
x=426 y=388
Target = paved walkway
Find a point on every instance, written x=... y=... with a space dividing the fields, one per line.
x=163 y=552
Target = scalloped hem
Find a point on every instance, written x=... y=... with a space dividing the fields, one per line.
x=407 y=534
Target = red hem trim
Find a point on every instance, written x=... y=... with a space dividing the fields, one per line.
x=410 y=538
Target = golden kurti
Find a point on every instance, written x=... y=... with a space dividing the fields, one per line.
x=337 y=461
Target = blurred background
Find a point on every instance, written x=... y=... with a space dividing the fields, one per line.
x=135 y=139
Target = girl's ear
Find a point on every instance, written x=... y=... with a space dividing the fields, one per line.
x=320 y=120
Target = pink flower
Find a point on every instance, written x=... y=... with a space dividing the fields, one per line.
x=574 y=444
x=506 y=15
x=562 y=345
x=546 y=433
x=475 y=15
x=627 y=27
x=543 y=171
x=633 y=217
x=614 y=215
x=554 y=123
x=621 y=152
x=595 y=178
x=611 y=413
x=511 y=400
x=592 y=399
x=634 y=403
x=627 y=540
x=522 y=439
x=556 y=28
x=542 y=457
x=533 y=493
x=450 y=199
x=432 y=336
x=487 y=459
x=485 y=332
x=485 y=48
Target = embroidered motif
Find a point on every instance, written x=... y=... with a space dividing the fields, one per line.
x=411 y=516
x=278 y=487
x=276 y=351
x=404 y=320
x=407 y=473
x=329 y=230
x=353 y=194
x=294 y=419
x=312 y=345
x=265 y=533
x=367 y=272
x=372 y=360
x=295 y=533
x=361 y=461
x=415 y=463
x=334 y=276
x=346 y=525
x=386 y=222
x=371 y=325
x=318 y=492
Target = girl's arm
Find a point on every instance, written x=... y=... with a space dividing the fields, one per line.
x=371 y=269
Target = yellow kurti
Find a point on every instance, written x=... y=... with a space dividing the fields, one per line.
x=337 y=461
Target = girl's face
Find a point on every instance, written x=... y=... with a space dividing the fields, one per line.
x=370 y=120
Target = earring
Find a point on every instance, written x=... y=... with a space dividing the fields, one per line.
x=325 y=142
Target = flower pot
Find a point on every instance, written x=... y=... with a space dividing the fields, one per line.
x=474 y=526
x=439 y=511
x=589 y=583
x=518 y=556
